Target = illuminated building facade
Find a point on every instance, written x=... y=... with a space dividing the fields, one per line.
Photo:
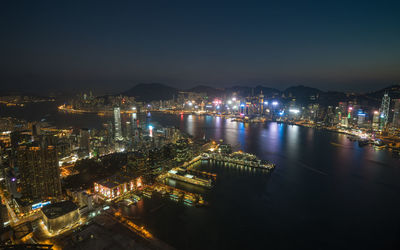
x=60 y=215
x=396 y=113
x=261 y=103
x=116 y=185
x=385 y=110
x=39 y=172
x=128 y=130
x=361 y=118
x=375 y=121
x=182 y=150
x=84 y=142
x=117 y=124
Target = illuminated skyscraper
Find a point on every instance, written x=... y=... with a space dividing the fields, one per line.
x=360 y=118
x=396 y=114
x=261 y=102
x=128 y=130
x=117 y=124
x=84 y=140
x=385 y=110
x=39 y=171
x=375 y=121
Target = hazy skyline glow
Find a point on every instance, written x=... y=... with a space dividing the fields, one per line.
x=338 y=45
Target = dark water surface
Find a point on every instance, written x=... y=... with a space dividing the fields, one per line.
x=325 y=193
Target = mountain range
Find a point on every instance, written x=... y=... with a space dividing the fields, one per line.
x=157 y=91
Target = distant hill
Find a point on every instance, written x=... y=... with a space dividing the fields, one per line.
x=248 y=91
x=393 y=91
x=240 y=90
x=267 y=91
x=22 y=93
x=304 y=95
x=210 y=91
x=151 y=92
x=301 y=91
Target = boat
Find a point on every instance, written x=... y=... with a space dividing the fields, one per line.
x=175 y=196
x=136 y=198
x=205 y=157
x=380 y=147
x=201 y=202
x=147 y=193
x=188 y=203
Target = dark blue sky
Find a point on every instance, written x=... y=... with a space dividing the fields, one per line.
x=110 y=46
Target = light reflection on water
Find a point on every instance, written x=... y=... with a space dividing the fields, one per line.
x=319 y=190
x=325 y=193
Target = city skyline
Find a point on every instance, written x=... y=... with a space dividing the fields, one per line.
x=199 y=125
x=332 y=46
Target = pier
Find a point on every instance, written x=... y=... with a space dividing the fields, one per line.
x=185 y=177
x=202 y=173
x=187 y=173
x=239 y=159
x=177 y=194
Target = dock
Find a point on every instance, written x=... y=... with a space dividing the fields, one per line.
x=238 y=159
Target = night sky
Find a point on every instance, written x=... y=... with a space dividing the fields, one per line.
x=110 y=46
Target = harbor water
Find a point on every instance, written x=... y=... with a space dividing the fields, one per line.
x=326 y=192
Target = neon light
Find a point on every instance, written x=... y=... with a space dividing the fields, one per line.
x=40 y=205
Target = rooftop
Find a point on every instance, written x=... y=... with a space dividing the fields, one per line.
x=114 y=181
x=58 y=209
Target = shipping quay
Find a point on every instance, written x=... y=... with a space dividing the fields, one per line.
x=175 y=194
x=181 y=174
x=238 y=158
x=188 y=174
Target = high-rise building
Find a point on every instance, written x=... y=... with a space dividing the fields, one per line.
x=340 y=111
x=84 y=143
x=36 y=129
x=4 y=219
x=117 y=124
x=128 y=130
x=182 y=150
x=261 y=103
x=345 y=122
x=360 y=118
x=385 y=110
x=39 y=172
x=109 y=132
x=396 y=113
x=375 y=120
